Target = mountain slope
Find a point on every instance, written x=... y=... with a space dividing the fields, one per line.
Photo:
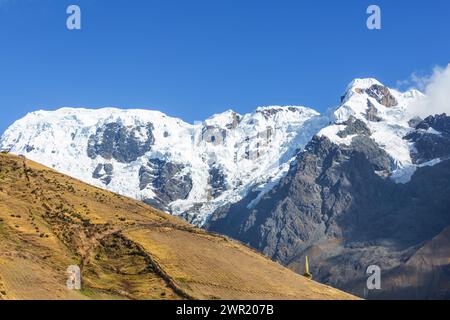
x=428 y=268
x=126 y=250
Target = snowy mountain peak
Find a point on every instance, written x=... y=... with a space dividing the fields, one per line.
x=88 y=117
x=362 y=84
x=186 y=169
x=368 y=99
x=371 y=109
x=275 y=109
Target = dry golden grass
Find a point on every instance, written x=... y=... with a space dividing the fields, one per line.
x=211 y=267
x=126 y=249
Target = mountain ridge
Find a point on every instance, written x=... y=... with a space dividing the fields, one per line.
x=230 y=149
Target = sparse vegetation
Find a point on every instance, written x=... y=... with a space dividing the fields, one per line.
x=126 y=250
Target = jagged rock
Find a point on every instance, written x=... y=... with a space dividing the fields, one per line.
x=414 y=122
x=236 y=118
x=108 y=167
x=167 y=180
x=213 y=135
x=376 y=156
x=115 y=141
x=96 y=174
x=267 y=113
x=440 y=123
x=107 y=179
x=430 y=145
x=354 y=126
x=382 y=95
x=145 y=177
x=372 y=112
x=155 y=203
x=104 y=173
x=217 y=181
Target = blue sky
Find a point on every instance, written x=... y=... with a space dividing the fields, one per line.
x=194 y=58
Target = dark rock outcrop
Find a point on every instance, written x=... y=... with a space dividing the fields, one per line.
x=115 y=141
x=104 y=172
x=167 y=180
x=414 y=122
x=354 y=127
x=217 y=181
x=440 y=123
x=430 y=145
x=372 y=112
x=382 y=95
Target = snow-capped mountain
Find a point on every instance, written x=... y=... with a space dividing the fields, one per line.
x=370 y=188
x=191 y=170
x=186 y=169
x=385 y=113
x=365 y=183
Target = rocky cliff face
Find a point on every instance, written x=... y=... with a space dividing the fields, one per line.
x=333 y=207
x=124 y=144
x=431 y=139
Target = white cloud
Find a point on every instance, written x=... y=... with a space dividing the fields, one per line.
x=437 y=94
x=415 y=81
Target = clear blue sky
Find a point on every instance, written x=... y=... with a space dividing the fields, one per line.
x=194 y=58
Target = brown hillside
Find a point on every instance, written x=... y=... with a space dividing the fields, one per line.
x=126 y=249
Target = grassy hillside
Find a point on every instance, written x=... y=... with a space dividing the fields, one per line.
x=125 y=249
